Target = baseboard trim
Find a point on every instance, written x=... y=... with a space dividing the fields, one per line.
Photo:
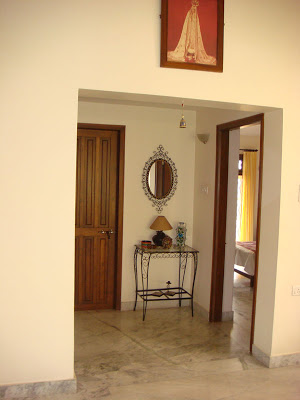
x=275 y=361
x=38 y=389
x=201 y=311
x=227 y=315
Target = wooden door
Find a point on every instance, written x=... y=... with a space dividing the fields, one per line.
x=96 y=219
x=163 y=178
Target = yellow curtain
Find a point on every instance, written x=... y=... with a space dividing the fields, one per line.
x=239 y=208
x=248 y=199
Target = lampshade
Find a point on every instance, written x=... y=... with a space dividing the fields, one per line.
x=161 y=224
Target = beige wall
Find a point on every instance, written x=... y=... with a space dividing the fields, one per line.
x=268 y=265
x=207 y=120
x=49 y=50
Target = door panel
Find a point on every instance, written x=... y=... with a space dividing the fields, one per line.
x=96 y=211
x=78 y=185
x=104 y=182
x=233 y=159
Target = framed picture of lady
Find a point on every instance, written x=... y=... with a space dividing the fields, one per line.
x=192 y=34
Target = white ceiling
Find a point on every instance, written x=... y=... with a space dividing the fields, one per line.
x=250 y=130
x=146 y=100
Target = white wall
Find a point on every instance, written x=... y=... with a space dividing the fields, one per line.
x=250 y=141
x=49 y=50
x=269 y=245
x=233 y=160
x=146 y=129
x=207 y=120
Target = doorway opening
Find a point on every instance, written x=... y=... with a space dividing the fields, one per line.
x=225 y=206
x=99 y=216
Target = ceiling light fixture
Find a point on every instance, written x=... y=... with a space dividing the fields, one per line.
x=203 y=137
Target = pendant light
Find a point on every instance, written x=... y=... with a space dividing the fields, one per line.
x=182 y=123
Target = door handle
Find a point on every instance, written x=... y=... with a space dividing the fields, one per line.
x=108 y=233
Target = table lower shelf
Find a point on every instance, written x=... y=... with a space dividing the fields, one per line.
x=176 y=293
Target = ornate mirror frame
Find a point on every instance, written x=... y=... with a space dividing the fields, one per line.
x=159 y=154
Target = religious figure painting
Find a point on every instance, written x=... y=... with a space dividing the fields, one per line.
x=192 y=34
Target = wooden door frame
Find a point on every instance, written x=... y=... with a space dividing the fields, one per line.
x=220 y=214
x=120 y=202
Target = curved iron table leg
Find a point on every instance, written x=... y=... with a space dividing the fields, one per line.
x=195 y=258
x=182 y=266
x=144 y=291
x=179 y=283
x=136 y=277
x=145 y=261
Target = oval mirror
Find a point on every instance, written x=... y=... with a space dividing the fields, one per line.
x=160 y=179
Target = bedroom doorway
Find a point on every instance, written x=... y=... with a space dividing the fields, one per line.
x=223 y=179
x=247 y=200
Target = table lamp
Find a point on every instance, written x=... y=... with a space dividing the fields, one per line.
x=159 y=225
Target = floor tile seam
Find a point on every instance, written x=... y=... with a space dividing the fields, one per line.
x=138 y=343
x=89 y=340
x=257 y=389
x=222 y=328
x=154 y=380
x=244 y=364
x=196 y=374
x=219 y=328
x=191 y=380
x=203 y=374
x=250 y=389
x=233 y=340
x=161 y=381
x=208 y=372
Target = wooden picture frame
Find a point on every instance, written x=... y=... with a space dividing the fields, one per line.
x=192 y=34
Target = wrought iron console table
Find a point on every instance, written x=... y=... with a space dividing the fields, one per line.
x=172 y=293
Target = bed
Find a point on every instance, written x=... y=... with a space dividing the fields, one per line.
x=244 y=263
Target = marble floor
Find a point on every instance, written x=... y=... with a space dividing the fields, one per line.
x=173 y=356
x=242 y=307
